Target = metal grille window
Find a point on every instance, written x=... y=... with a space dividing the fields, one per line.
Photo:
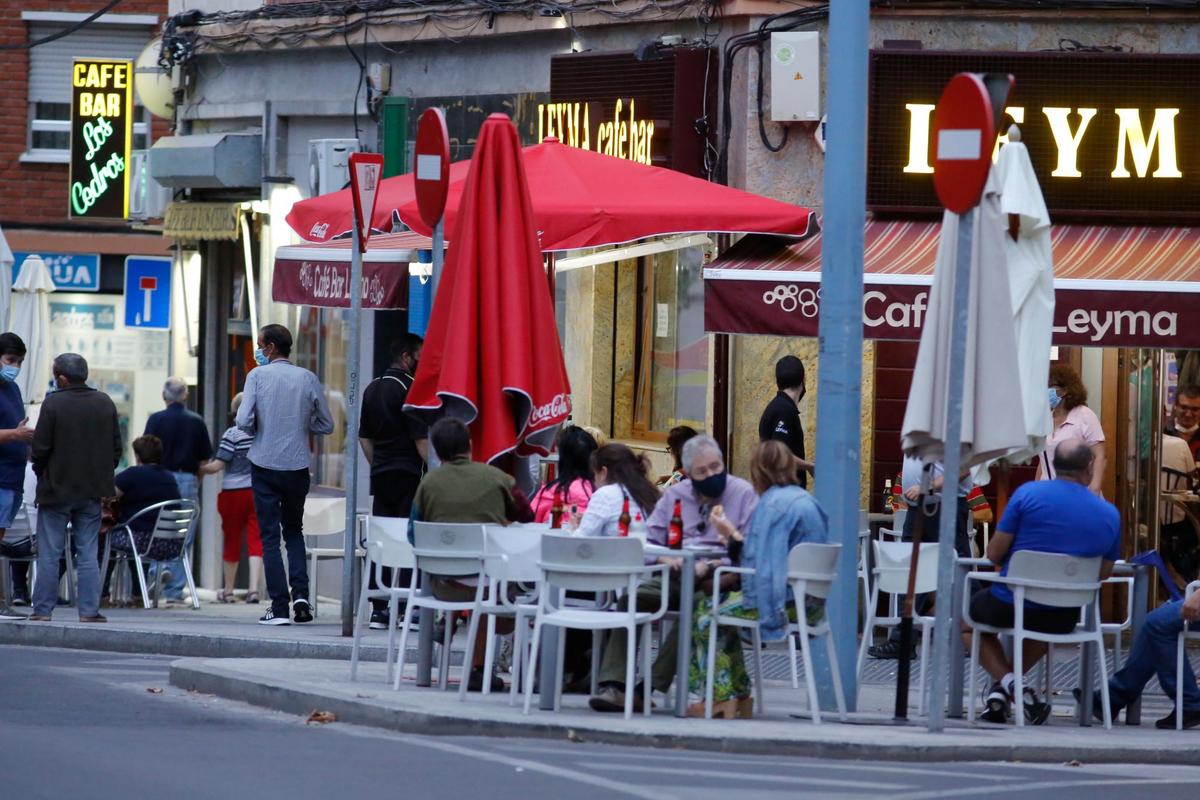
x=50 y=82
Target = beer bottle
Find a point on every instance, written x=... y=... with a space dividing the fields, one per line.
x=898 y=494
x=623 y=520
x=675 y=528
x=887 y=496
x=556 y=511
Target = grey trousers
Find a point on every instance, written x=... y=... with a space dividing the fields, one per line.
x=612 y=666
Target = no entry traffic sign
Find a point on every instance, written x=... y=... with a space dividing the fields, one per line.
x=964 y=132
x=431 y=167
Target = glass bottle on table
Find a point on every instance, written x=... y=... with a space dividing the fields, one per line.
x=556 y=511
x=623 y=520
x=675 y=528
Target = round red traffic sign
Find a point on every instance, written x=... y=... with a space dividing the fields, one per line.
x=963 y=136
x=431 y=165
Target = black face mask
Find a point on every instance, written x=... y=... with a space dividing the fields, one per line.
x=713 y=486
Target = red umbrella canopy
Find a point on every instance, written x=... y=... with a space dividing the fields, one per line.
x=580 y=199
x=491 y=356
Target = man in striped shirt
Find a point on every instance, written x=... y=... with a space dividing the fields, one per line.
x=282 y=404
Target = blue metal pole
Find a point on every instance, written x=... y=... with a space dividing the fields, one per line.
x=839 y=386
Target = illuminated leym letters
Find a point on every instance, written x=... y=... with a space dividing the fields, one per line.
x=1068 y=127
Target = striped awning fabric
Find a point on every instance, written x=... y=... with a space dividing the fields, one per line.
x=395 y=247
x=318 y=274
x=1081 y=252
x=197 y=222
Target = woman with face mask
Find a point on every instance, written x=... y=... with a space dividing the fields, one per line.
x=1072 y=420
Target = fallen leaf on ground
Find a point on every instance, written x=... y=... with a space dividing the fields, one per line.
x=154 y=690
x=321 y=718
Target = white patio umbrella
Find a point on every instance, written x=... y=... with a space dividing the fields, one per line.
x=31 y=321
x=993 y=422
x=6 y=263
x=1031 y=283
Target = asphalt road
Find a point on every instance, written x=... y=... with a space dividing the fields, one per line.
x=99 y=725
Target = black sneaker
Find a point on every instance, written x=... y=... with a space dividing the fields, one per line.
x=269 y=618
x=301 y=611
x=20 y=599
x=996 y=705
x=379 y=621
x=1036 y=712
x=7 y=613
x=1190 y=720
x=475 y=682
x=889 y=649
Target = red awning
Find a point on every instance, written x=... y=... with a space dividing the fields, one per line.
x=319 y=274
x=1114 y=286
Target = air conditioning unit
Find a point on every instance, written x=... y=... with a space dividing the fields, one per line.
x=329 y=164
x=147 y=197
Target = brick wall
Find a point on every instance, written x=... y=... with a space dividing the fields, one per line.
x=37 y=193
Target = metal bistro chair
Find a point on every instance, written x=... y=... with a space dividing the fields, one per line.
x=891 y=577
x=387 y=548
x=172 y=519
x=18 y=530
x=587 y=564
x=812 y=569
x=1188 y=632
x=1052 y=579
x=445 y=550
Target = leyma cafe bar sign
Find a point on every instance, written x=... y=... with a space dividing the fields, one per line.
x=101 y=135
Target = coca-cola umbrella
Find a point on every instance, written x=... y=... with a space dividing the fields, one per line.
x=579 y=199
x=491 y=356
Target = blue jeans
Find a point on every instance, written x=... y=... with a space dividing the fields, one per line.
x=279 y=503
x=189 y=489
x=1154 y=653
x=84 y=518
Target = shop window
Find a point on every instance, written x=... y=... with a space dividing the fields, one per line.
x=50 y=80
x=671 y=352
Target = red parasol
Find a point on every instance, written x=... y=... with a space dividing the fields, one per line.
x=491 y=356
x=580 y=199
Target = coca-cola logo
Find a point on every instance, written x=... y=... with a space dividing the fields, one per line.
x=559 y=406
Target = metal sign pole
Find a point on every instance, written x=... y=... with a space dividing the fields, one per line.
x=352 y=434
x=439 y=255
x=951 y=469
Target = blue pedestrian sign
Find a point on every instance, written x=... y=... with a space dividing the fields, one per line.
x=148 y=292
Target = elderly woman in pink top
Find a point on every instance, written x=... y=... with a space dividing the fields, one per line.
x=1072 y=420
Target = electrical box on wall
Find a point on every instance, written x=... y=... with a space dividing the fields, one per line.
x=796 y=76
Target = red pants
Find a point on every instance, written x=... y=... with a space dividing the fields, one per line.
x=237 y=515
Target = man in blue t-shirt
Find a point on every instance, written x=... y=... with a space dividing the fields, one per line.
x=1056 y=516
x=15 y=437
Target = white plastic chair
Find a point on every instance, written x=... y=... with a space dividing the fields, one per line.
x=387 y=548
x=812 y=569
x=510 y=558
x=1180 y=655
x=1051 y=579
x=445 y=550
x=172 y=519
x=864 y=567
x=897 y=529
x=891 y=578
x=325 y=518
x=595 y=564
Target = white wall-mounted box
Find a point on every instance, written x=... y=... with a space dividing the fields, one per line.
x=796 y=76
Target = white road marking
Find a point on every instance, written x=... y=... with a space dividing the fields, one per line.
x=1103 y=784
x=799 y=780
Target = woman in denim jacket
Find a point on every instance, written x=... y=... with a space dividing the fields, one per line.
x=786 y=515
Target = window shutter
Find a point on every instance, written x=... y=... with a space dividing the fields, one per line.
x=50 y=63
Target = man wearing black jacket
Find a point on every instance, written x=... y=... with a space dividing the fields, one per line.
x=781 y=419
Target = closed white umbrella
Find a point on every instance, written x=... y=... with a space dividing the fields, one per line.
x=993 y=423
x=31 y=321
x=6 y=263
x=1031 y=283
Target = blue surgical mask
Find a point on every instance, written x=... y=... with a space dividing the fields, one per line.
x=9 y=372
x=713 y=486
x=1055 y=400
x=260 y=357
